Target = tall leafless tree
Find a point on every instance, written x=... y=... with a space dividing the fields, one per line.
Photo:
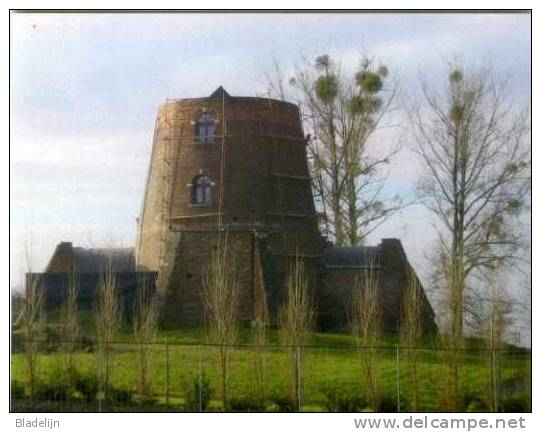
x=365 y=322
x=108 y=319
x=260 y=326
x=342 y=116
x=71 y=329
x=296 y=319
x=145 y=329
x=32 y=319
x=221 y=295
x=497 y=319
x=474 y=146
x=411 y=330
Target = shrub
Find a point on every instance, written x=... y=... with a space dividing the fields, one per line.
x=17 y=342
x=193 y=389
x=474 y=402
x=52 y=339
x=17 y=390
x=339 y=400
x=58 y=391
x=119 y=396
x=515 y=383
x=518 y=402
x=86 y=344
x=388 y=403
x=49 y=340
x=284 y=404
x=87 y=386
x=148 y=401
x=246 y=404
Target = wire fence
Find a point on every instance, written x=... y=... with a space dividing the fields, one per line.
x=207 y=377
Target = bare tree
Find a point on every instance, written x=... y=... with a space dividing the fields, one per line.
x=32 y=324
x=296 y=318
x=475 y=149
x=71 y=329
x=497 y=320
x=476 y=153
x=145 y=329
x=108 y=319
x=365 y=322
x=32 y=318
x=343 y=114
x=260 y=326
x=221 y=294
x=275 y=81
x=448 y=379
x=411 y=331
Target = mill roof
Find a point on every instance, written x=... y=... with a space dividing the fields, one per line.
x=220 y=92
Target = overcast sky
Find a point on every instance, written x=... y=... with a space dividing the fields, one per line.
x=85 y=89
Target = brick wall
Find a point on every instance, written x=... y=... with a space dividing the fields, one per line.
x=262 y=166
x=62 y=259
x=336 y=286
x=261 y=266
x=56 y=284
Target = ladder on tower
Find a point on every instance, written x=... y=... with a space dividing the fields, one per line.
x=222 y=167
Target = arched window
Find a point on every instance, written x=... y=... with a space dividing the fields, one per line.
x=206 y=128
x=202 y=189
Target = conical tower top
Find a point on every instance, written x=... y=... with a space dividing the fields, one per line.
x=219 y=92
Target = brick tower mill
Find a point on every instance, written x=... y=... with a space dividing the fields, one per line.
x=227 y=164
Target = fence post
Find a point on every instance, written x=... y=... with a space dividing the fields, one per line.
x=100 y=394
x=299 y=378
x=494 y=370
x=167 y=371
x=200 y=377
x=397 y=379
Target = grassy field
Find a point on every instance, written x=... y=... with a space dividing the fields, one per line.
x=330 y=361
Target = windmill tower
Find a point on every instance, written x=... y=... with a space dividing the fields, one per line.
x=224 y=163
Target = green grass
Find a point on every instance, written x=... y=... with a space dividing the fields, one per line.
x=330 y=360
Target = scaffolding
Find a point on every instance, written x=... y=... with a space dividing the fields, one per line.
x=171 y=134
x=170 y=158
x=282 y=212
x=140 y=220
x=169 y=168
x=222 y=165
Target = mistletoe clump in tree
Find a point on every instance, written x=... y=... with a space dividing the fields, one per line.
x=344 y=114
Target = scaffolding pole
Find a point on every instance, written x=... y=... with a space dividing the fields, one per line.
x=222 y=163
